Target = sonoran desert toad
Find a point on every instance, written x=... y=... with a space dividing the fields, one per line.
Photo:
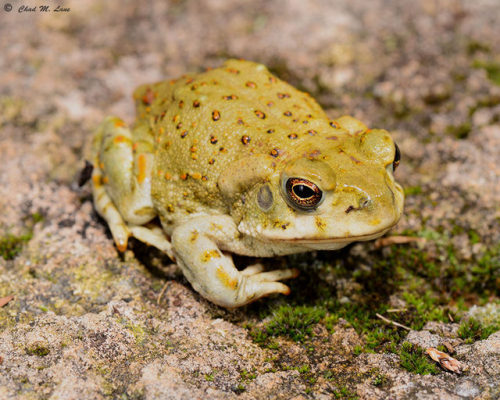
x=234 y=160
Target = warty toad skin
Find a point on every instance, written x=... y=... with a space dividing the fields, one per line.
x=234 y=160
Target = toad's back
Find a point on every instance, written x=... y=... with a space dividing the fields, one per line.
x=203 y=122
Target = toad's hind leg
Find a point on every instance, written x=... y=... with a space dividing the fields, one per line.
x=121 y=182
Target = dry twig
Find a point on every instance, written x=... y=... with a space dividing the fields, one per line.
x=162 y=292
x=389 y=240
x=391 y=322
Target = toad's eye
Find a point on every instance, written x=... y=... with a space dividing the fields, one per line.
x=397 y=158
x=303 y=194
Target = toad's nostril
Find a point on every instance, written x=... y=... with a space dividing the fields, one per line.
x=364 y=203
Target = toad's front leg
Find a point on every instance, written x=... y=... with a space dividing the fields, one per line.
x=212 y=273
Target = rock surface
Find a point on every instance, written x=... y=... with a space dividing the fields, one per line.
x=86 y=323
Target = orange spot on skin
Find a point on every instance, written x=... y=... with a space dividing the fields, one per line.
x=215 y=115
x=161 y=130
x=275 y=152
x=96 y=180
x=194 y=156
x=168 y=176
x=183 y=176
x=196 y=175
x=119 y=123
x=260 y=114
x=141 y=166
x=209 y=254
x=135 y=146
x=225 y=279
x=105 y=180
x=149 y=96
x=121 y=247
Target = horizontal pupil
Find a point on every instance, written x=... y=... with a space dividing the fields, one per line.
x=303 y=191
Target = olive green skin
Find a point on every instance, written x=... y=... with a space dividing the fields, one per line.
x=212 y=156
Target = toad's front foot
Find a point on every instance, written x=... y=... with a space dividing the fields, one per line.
x=212 y=273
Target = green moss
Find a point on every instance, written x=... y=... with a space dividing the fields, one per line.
x=492 y=70
x=412 y=190
x=424 y=308
x=294 y=322
x=459 y=131
x=475 y=46
x=345 y=394
x=138 y=331
x=474 y=237
x=37 y=350
x=37 y=217
x=380 y=380
x=10 y=110
x=240 y=388
x=304 y=369
x=434 y=283
x=247 y=375
x=471 y=330
x=330 y=321
x=11 y=245
x=209 y=377
x=414 y=360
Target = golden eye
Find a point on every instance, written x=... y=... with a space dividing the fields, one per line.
x=303 y=194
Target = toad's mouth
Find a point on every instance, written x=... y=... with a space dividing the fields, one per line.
x=344 y=239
